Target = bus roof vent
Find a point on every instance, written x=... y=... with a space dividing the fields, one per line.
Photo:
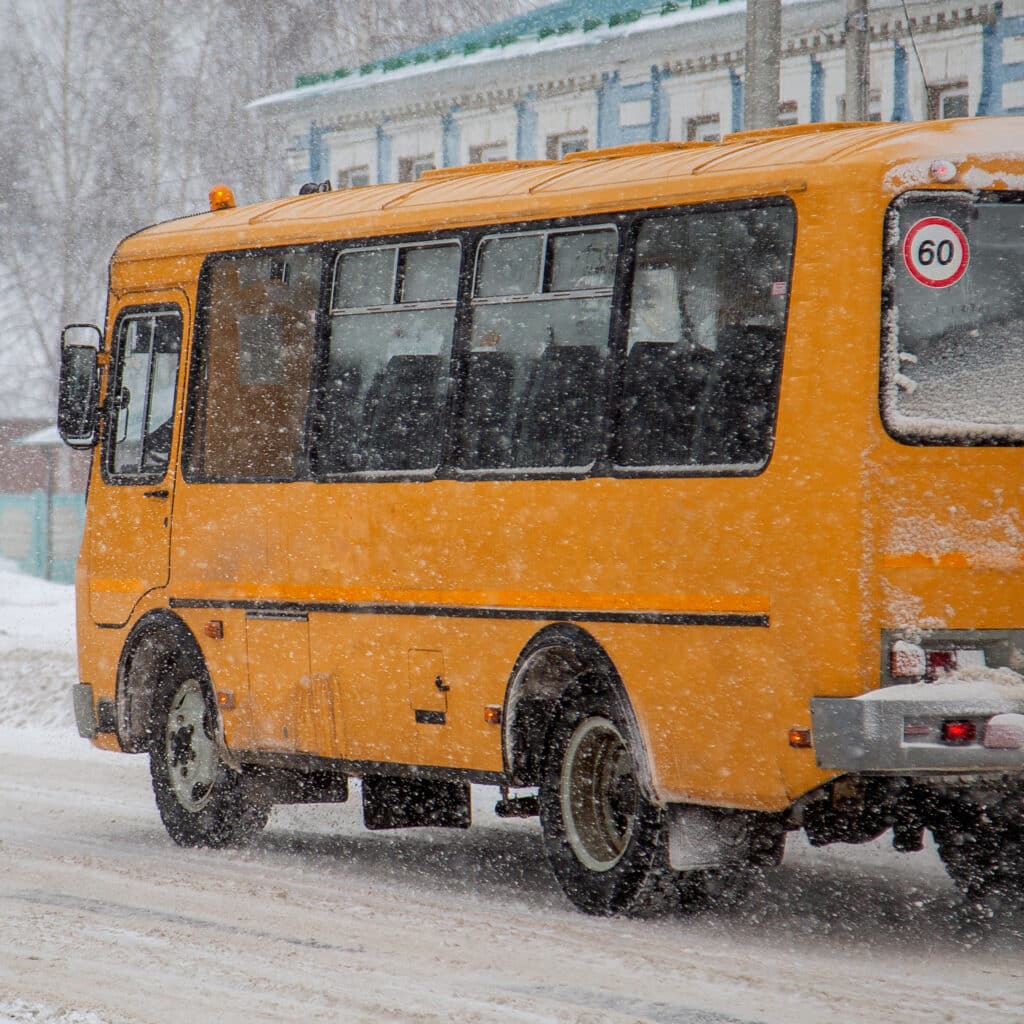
x=635 y=149
x=790 y=130
x=494 y=167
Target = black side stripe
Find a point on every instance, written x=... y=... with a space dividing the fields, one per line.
x=298 y=608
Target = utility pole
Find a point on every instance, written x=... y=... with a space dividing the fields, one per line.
x=857 y=57
x=761 y=76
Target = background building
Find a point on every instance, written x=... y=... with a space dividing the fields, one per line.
x=42 y=498
x=585 y=74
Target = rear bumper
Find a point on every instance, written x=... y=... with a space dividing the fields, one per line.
x=877 y=733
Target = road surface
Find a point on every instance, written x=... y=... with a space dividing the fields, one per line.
x=103 y=921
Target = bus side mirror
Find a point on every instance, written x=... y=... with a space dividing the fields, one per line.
x=79 y=386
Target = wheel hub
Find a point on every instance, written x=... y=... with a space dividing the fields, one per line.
x=191 y=747
x=598 y=793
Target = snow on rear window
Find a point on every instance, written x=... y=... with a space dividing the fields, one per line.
x=954 y=358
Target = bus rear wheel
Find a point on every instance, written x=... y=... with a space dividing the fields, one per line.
x=603 y=839
x=202 y=801
x=982 y=849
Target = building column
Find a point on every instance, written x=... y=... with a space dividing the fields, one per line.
x=660 y=125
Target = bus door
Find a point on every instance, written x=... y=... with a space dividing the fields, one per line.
x=130 y=514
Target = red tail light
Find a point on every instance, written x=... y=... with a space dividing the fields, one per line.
x=940 y=661
x=959 y=732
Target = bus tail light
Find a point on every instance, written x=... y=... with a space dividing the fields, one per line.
x=940 y=661
x=907 y=661
x=1004 y=732
x=912 y=661
x=800 y=738
x=959 y=732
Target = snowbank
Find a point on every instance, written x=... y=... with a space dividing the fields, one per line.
x=21 y=1012
x=37 y=652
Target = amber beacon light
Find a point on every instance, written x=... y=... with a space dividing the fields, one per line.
x=221 y=198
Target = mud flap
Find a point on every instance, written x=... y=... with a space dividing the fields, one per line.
x=408 y=803
x=706 y=837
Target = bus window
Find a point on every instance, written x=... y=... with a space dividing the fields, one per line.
x=148 y=346
x=704 y=343
x=534 y=391
x=954 y=373
x=393 y=315
x=254 y=357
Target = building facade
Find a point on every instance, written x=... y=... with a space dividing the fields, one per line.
x=586 y=74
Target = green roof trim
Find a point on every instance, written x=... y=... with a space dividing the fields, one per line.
x=624 y=17
x=555 y=19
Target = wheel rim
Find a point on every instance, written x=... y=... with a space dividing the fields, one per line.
x=598 y=794
x=191 y=747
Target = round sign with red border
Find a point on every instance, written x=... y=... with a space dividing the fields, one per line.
x=936 y=252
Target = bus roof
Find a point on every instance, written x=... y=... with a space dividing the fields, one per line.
x=893 y=156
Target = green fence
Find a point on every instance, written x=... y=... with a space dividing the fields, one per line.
x=42 y=535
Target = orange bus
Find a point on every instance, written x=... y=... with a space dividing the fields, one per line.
x=674 y=489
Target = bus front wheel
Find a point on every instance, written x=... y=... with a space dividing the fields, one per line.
x=603 y=839
x=202 y=801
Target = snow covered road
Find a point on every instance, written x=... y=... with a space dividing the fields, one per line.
x=103 y=920
x=322 y=921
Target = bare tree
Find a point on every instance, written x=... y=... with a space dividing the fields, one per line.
x=122 y=113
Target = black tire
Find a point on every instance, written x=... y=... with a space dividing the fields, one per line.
x=982 y=851
x=604 y=840
x=202 y=801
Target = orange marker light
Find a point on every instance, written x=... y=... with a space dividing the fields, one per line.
x=226 y=700
x=492 y=714
x=214 y=629
x=221 y=198
x=800 y=738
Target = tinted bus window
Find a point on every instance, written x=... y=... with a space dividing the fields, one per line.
x=534 y=385
x=704 y=343
x=254 y=358
x=393 y=315
x=954 y=371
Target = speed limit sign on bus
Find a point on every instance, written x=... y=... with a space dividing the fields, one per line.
x=936 y=252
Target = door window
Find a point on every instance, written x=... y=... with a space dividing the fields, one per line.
x=148 y=346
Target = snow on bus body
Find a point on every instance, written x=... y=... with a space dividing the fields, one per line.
x=970 y=719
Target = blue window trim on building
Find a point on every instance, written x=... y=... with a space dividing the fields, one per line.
x=317 y=153
x=736 y=84
x=659 y=106
x=526 y=129
x=383 y=154
x=450 y=139
x=1003 y=74
x=900 y=91
x=612 y=94
x=817 y=91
